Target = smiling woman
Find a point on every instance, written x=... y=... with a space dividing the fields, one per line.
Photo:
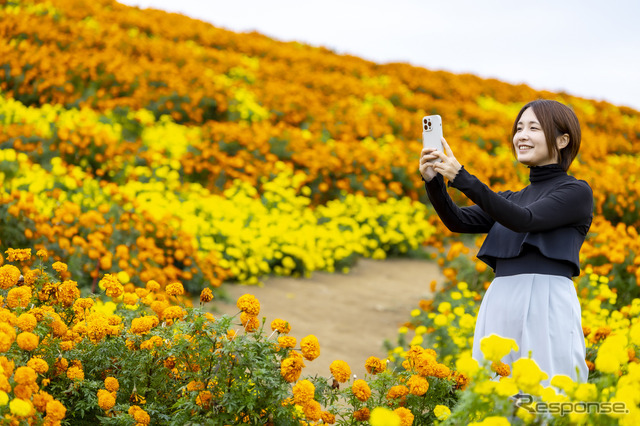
x=533 y=242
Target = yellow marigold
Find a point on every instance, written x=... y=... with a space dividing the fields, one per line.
x=249 y=304
x=25 y=375
x=312 y=411
x=495 y=347
x=18 y=255
x=374 y=365
x=55 y=411
x=501 y=368
x=20 y=407
x=112 y=286
x=528 y=375
x=27 y=341
x=406 y=416
x=111 y=384
x=303 y=392
x=9 y=276
x=42 y=253
x=39 y=365
x=418 y=385
x=173 y=313
x=152 y=342
x=106 y=399
x=382 y=416
x=398 y=391
x=291 y=368
x=139 y=415
x=340 y=370
x=280 y=325
x=26 y=322
x=362 y=415
x=287 y=341
x=361 y=390
x=19 y=297
x=59 y=267
x=442 y=412
x=310 y=347
x=97 y=326
x=75 y=373
x=68 y=292
x=175 y=289
x=328 y=418
x=206 y=295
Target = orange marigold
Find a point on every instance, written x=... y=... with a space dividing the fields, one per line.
x=139 y=415
x=398 y=391
x=27 y=341
x=328 y=418
x=25 y=375
x=287 y=341
x=280 y=325
x=249 y=322
x=173 y=312
x=361 y=390
x=27 y=322
x=418 y=385
x=362 y=415
x=340 y=370
x=206 y=295
x=19 y=297
x=175 y=289
x=291 y=368
x=39 y=365
x=106 y=399
x=112 y=286
x=312 y=411
x=374 y=365
x=303 y=392
x=249 y=304
x=55 y=411
x=406 y=416
x=68 y=292
x=59 y=267
x=9 y=276
x=18 y=255
x=75 y=373
x=310 y=347
x=501 y=368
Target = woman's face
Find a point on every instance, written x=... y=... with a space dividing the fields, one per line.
x=530 y=143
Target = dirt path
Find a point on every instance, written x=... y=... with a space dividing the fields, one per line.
x=351 y=315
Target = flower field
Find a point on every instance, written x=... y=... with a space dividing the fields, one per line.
x=146 y=158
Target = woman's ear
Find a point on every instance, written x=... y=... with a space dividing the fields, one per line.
x=562 y=141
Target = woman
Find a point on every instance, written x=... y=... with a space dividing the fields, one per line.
x=534 y=238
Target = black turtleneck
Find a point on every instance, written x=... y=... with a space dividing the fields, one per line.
x=538 y=229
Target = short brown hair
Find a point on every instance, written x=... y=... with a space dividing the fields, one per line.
x=556 y=119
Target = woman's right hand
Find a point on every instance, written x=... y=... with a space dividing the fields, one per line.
x=427 y=158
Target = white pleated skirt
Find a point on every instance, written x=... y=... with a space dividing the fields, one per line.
x=542 y=314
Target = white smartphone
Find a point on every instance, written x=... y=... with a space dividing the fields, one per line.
x=432 y=133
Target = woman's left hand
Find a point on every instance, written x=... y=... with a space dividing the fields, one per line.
x=449 y=167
